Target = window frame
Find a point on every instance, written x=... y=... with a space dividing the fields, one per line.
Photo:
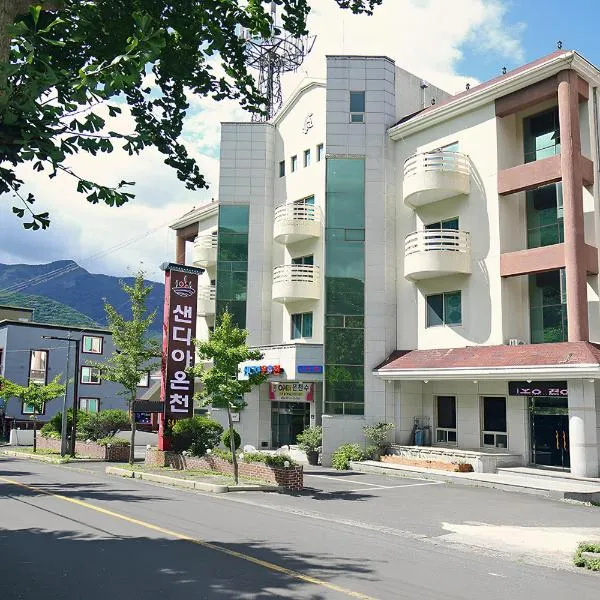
x=294 y=163
x=302 y=258
x=359 y=114
x=443 y=323
x=489 y=432
x=320 y=152
x=47 y=353
x=146 y=375
x=93 y=337
x=302 y=316
x=306 y=158
x=23 y=412
x=1 y=361
x=87 y=408
x=281 y=169
x=445 y=431
x=81 y=381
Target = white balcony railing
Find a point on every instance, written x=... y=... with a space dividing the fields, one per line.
x=205 y=250
x=296 y=282
x=434 y=176
x=207 y=299
x=437 y=252
x=296 y=222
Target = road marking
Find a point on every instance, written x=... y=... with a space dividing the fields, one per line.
x=497 y=575
x=344 y=480
x=394 y=487
x=182 y=536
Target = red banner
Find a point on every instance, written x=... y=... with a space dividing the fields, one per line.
x=179 y=330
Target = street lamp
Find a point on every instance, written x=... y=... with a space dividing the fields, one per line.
x=63 y=445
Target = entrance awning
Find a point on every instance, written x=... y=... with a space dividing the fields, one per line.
x=561 y=360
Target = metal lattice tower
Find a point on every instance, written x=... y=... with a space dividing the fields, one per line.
x=273 y=56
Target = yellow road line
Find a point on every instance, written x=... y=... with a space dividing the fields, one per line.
x=182 y=536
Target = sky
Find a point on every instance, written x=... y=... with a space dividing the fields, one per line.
x=447 y=42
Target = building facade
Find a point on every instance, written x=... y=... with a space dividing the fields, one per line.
x=441 y=252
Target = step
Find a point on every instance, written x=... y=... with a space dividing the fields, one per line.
x=550 y=473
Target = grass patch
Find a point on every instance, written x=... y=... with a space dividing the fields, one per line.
x=582 y=561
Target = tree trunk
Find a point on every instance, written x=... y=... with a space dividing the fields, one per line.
x=232 y=446
x=132 y=440
x=34 y=433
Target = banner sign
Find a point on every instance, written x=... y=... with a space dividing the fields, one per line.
x=292 y=391
x=537 y=388
x=143 y=418
x=179 y=329
x=268 y=369
x=309 y=368
x=148 y=406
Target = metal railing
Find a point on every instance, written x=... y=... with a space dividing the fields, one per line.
x=288 y=213
x=451 y=240
x=207 y=293
x=296 y=274
x=456 y=162
x=206 y=240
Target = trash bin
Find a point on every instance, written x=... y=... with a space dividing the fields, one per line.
x=419 y=437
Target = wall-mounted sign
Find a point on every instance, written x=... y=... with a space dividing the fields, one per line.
x=308 y=123
x=143 y=418
x=235 y=417
x=537 y=388
x=268 y=369
x=291 y=391
x=309 y=368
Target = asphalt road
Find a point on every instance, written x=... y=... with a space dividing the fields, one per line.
x=78 y=534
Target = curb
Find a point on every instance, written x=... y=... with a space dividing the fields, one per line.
x=215 y=488
x=42 y=458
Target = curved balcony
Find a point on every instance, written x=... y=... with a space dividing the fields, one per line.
x=296 y=222
x=205 y=250
x=207 y=300
x=434 y=176
x=296 y=282
x=437 y=252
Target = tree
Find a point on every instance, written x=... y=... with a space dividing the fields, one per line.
x=34 y=395
x=63 y=61
x=134 y=349
x=226 y=348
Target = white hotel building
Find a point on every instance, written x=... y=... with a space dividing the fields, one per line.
x=417 y=255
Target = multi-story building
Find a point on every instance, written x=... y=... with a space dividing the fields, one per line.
x=416 y=255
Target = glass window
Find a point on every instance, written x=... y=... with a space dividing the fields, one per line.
x=548 y=307
x=294 y=163
x=444 y=309
x=541 y=135
x=38 y=367
x=307 y=158
x=89 y=405
x=446 y=412
x=357 y=102
x=494 y=414
x=144 y=379
x=435 y=310
x=453 y=147
x=90 y=375
x=27 y=409
x=302 y=325
x=447 y=224
x=320 y=152
x=545 y=216
x=303 y=260
x=282 y=168
x=345 y=186
x=92 y=344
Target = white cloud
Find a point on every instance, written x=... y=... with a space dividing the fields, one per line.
x=422 y=36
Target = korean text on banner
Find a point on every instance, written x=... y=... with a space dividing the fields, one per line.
x=291 y=391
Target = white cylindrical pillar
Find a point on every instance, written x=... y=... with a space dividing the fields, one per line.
x=583 y=437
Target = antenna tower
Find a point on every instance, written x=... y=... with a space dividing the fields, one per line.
x=273 y=56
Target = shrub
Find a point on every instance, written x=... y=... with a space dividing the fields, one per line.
x=227 y=442
x=271 y=460
x=224 y=454
x=344 y=454
x=197 y=435
x=378 y=436
x=113 y=441
x=106 y=423
x=48 y=431
x=591 y=563
x=310 y=439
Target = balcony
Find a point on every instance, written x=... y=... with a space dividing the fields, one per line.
x=207 y=300
x=434 y=176
x=296 y=282
x=205 y=250
x=437 y=252
x=296 y=222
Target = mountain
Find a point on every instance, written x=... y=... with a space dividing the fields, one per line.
x=66 y=282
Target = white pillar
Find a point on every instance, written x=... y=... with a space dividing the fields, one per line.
x=583 y=438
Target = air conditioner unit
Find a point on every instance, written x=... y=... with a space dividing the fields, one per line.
x=515 y=342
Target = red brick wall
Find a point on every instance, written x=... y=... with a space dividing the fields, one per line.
x=93 y=450
x=291 y=478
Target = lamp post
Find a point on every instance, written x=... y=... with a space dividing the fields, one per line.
x=63 y=446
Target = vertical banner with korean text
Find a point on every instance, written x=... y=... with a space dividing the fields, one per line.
x=178 y=346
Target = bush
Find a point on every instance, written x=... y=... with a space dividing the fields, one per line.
x=310 y=439
x=271 y=460
x=224 y=454
x=48 y=431
x=378 y=436
x=106 y=423
x=227 y=442
x=344 y=454
x=591 y=563
x=113 y=441
x=196 y=435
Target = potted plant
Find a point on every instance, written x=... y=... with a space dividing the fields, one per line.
x=310 y=441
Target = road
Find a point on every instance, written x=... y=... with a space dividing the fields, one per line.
x=72 y=533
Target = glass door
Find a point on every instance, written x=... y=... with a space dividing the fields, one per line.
x=288 y=419
x=549 y=432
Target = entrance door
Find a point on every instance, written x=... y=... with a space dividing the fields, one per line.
x=288 y=419
x=550 y=432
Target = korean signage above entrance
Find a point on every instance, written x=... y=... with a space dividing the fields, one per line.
x=537 y=388
x=293 y=391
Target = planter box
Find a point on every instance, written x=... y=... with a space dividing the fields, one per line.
x=291 y=478
x=428 y=464
x=89 y=449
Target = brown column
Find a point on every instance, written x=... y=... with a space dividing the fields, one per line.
x=572 y=182
x=180 y=250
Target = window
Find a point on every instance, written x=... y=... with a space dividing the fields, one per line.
x=303 y=260
x=357 y=107
x=320 y=152
x=92 y=344
x=453 y=147
x=494 y=422
x=38 y=367
x=541 y=135
x=27 y=409
x=294 y=163
x=545 y=225
x=282 y=168
x=446 y=419
x=144 y=380
x=444 y=309
x=89 y=405
x=301 y=325
x=307 y=158
x=1 y=361
x=548 y=307
x=90 y=375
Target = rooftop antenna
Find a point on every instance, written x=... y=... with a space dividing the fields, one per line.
x=272 y=56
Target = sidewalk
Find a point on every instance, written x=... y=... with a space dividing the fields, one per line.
x=551 y=484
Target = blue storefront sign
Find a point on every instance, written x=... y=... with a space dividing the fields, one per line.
x=309 y=368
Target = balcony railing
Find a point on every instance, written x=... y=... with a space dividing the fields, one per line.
x=205 y=250
x=296 y=282
x=437 y=252
x=207 y=300
x=296 y=222
x=434 y=176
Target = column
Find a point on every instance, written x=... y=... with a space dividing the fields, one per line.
x=180 y=250
x=583 y=439
x=572 y=182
